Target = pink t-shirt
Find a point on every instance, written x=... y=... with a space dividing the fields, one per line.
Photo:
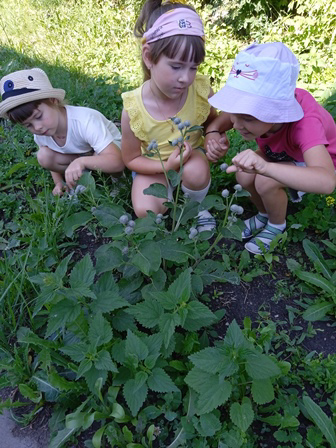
x=317 y=127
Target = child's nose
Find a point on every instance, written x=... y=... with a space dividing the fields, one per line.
x=184 y=76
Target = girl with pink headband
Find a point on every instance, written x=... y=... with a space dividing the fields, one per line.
x=295 y=135
x=172 y=37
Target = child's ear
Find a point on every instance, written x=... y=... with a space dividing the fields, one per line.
x=146 y=56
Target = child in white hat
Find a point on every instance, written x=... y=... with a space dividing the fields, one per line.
x=71 y=139
x=295 y=135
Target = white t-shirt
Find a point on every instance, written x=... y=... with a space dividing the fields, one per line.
x=87 y=129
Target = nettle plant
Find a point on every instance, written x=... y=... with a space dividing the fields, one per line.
x=135 y=354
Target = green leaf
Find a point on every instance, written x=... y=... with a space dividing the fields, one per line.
x=104 y=362
x=43 y=384
x=261 y=367
x=97 y=437
x=212 y=360
x=100 y=331
x=92 y=376
x=29 y=393
x=108 y=258
x=84 y=366
x=242 y=414
x=61 y=437
x=157 y=190
x=173 y=250
x=147 y=257
x=180 y=289
x=209 y=425
x=108 y=301
x=134 y=395
x=213 y=392
x=147 y=313
x=212 y=201
x=160 y=381
x=83 y=273
x=61 y=383
x=108 y=216
x=174 y=178
x=213 y=271
x=65 y=311
x=321 y=420
x=135 y=346
x=317 y=311
x=316 y=257
x=233 y=232
x=145 y=225
x=262 y=391
x=234 y=336
x=167 y=323
x=117 y=411
x=198 y=316
x=76 y=352
x=72 y=222
x=317 y=280
x=63 y=267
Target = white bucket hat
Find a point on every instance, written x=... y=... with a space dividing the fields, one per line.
x=262 y=83
x=24 y=86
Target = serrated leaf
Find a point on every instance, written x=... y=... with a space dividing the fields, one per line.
x=234 y=336
x=72 y=222
x=104 y=362
x=167 y=323
x=212 y=360
x=65 y=311
x=213 y=392
x=108 y=258
x=147 y=313
x=29 y=393
x=180 y=289
x=83 y=273
x=83 y=367
x=262 y=391
x=100 y=331
x=209 y=425
x=173 y=250
x=160 y=381
x=199 y=315
x=147 y=257
x=213 y=271
x=61 y=383
x=91 y=377
x=134 y=395
x=317 y=311
x=76 y=352
x=242 y=414
x=321 y=420
x=135 y=346
x=261 y=367
x=108 y=301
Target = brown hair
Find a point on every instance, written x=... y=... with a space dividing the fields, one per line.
x=169 y=46
x=21 y=113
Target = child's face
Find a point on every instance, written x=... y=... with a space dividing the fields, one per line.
x=250 y=127
x=173 y=76
x=45 y=120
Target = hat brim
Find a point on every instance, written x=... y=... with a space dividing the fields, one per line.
x=235 y=101
x=14 y=101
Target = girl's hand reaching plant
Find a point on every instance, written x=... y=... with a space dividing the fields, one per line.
x=216 y=146
x=174 y=160
x=249 y=162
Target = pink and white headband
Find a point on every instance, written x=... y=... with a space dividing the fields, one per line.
x=183 y=21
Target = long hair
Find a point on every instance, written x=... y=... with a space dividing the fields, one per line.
x=169 y=46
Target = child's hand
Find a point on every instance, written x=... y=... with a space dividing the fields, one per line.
x=73 y=172
x=216 y=146
x=173 y=162
x=249 y=162
x=59 y=189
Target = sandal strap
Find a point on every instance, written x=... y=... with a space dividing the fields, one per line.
x=269 y=232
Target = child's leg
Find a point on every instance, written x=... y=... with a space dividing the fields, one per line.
x=54 y=161
x=142 y=202
x=196 y=182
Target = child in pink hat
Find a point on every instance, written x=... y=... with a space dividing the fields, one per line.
x=295 y=135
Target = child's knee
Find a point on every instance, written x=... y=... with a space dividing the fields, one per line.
x=196 y=175
x=245 y=179
x=44 y=156
x=264 y=185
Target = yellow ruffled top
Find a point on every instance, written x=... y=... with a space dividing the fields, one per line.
x=196 y=109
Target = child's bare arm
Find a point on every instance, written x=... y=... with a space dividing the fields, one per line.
x=317 y=177
x=59 y=183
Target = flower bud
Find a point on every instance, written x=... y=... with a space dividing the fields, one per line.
x=174 y=142
x=234 y=208
x=181 y=126
x=158 y=220
x=124 y=250
x=187 y=123
x=192 y=232
x=240 y=210
x=238 y=187
x=180 y=139
x=123 y=219
x=159 y=215
x=223 y=166
x=131 y=223
x=176 y=120
x=225 y=193
x=129 y=230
